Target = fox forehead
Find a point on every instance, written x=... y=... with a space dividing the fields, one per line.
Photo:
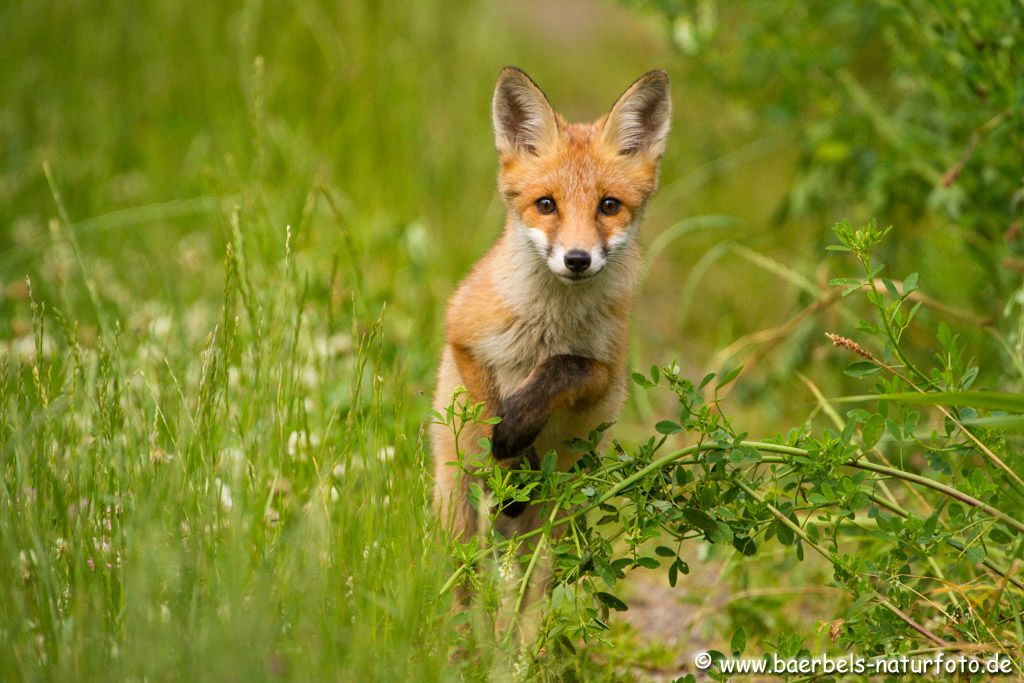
x=577 y=172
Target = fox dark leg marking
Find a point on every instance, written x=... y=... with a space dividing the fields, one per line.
x=560 y=381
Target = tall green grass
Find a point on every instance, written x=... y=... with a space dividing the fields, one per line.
x=247 y=503
x=228 y=232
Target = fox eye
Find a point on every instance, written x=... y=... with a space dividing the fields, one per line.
x=610 y=206
x=545 y=205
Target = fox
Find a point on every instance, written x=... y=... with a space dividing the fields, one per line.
x=538 y=331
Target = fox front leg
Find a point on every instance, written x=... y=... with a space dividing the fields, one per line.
x=561 y=381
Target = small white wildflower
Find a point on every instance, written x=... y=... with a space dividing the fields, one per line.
x=225 y=495
x=26 y=560
x=338 y=344
x=101 y=545
x=161 y=326
x=197 y=321
x=386 y=453
x=310 y=377
x=334 y=494
x=24 y=347
x=160 y=457
x=232 y=458
x=339 y=471
x=296 y=440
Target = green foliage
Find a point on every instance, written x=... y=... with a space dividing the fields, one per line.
x=909 y=110
x=892 y=532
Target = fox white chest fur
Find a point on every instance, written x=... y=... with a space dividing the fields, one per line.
x=551 y=317
x=538 y=331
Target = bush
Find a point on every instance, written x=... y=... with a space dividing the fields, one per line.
x=902 y=504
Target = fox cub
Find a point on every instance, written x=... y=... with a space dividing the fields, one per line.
x=539 y=329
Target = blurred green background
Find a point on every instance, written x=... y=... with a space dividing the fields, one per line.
x=344 y=150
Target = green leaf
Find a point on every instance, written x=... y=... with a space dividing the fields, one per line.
x=861 y=368
x=729 y=376
x=648 y=562
x=558 y=596
x=745 y=545
x=872 y=431
x=547 y=466
x=745 y=455
x=909 y=283
x=667 y=427
x=714 y=530
x=739 y=642
x=664 y=552
x=611 y=602
x=784 y=533
x=642 y=381
x=1000 y=536
x=564 y=642
x=913 y=311
x=975 y=554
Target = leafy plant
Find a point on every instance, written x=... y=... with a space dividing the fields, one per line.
x=915 y=513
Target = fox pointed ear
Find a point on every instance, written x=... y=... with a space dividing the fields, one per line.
x=639 y=121
x=523 y=119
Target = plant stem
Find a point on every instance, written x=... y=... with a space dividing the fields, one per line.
x=796 y=529
x=679 y=458
x=525 y=584
x=897 y=510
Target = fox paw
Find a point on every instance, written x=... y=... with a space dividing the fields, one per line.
x=518 y=428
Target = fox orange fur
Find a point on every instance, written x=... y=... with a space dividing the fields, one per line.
x=539 y=329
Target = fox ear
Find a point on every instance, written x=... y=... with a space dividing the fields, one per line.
x=639 y=121
x=523 y=119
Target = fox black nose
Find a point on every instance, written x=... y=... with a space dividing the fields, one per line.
x=577 y=260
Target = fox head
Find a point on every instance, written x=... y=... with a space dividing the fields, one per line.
x=577 y=191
